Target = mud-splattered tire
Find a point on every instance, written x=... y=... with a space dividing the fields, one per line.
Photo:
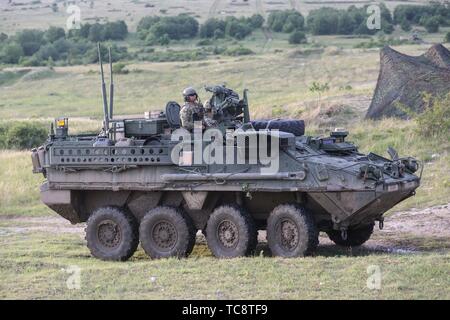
x=112 y=234
x=231 y=232
x=291 y=231
x=167 y=232
x=355 y=237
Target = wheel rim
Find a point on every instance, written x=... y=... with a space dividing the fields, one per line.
x=164 y=235
x=109 y=234
x=228 y=234
x=289 y=235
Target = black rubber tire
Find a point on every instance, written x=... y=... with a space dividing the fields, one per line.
x=300 y=221
x=296 y=127
x=112 y=217
x=355 y=237
x=242 y=222
x=183 y=233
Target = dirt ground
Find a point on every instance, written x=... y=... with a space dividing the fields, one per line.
x=404 y=232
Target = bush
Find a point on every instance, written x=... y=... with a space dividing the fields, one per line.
x=406 y=25
x=30 y=41
x=434 y=121
x=119 y=68
x=54 y=33
x=447 y=37
x=297 y=37
x=22 y=135
x=238 y=51
x=174 y=28
x=431 y=24
x=11 y=53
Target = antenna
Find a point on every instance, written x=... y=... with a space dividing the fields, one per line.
x=105 y=103
x=111 y=87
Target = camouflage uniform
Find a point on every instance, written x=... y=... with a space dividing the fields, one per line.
x=190 y=112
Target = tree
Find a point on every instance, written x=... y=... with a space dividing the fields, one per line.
x=285 y=21
x=431 y=24
x=54 y=33
x=323 y=21
x=297 y=37
x=209 y=28
x=96 y=33
x=30 y=41
x=237 y=29
x=115 y=30
x=11 y=53
x=256 y=21
x=405 y=25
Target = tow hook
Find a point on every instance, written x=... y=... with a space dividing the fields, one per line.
x=381 y=223
x=344 y=234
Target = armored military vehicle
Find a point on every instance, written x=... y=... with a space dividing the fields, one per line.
x=134 y=182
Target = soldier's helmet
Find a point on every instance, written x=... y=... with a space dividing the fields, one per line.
x=189 y=91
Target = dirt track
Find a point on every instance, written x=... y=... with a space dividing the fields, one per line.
x=404 y=232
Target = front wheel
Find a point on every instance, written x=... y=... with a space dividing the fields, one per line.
x=112 y=234
x=355 y=237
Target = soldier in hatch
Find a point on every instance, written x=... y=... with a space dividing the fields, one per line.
x=193 y=111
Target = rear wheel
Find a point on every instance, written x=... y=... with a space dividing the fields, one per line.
x=291 y=231
x=112 y=234
x=167 y=232
x=231 y=232
x=355 y=237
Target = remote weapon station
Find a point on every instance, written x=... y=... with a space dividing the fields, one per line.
x=134 y=182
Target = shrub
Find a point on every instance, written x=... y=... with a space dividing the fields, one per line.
x=405 y=25
x=11 y=53
x=447 y=37
x=238 y=51
x=54 y=33
x=297 y=37
x=434 y=121
x=22 y=135
x=119 y=68
x=431 y=24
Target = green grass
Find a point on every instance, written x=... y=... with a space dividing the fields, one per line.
x=33 y=264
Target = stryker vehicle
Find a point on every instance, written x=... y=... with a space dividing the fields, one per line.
x=129 y=187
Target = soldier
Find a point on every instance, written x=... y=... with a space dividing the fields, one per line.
x=192 y=110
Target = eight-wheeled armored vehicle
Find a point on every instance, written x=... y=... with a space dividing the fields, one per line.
x=141 y=180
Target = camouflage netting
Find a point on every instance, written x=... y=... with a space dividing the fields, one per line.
x=404 y=79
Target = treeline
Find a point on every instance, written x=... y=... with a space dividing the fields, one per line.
x=431 y=16
x=37 y=48
x=353 y=20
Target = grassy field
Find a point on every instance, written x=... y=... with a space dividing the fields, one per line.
x=37 y=249
x=36 y=265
